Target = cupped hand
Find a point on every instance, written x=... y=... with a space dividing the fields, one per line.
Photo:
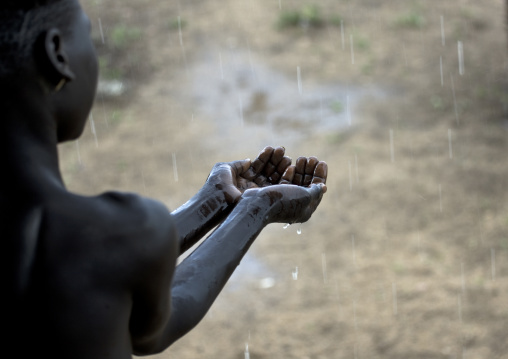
x=225 y=179
x=270 y=167
x=306 y=171
x=286 y=203
x=231 y=179
x=299 y=192
x=267 y=169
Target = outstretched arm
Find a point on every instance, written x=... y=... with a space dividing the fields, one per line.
x=199 y=279
x=221 y=192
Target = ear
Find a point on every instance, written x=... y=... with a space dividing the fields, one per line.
x=56 y=57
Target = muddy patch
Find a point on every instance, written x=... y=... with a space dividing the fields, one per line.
x=252 y=104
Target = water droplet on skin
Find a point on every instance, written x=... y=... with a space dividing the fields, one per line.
x=299 y=230
x=286 y=226
x=295 y=273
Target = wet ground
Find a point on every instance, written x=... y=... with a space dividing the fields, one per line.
x=252 y=104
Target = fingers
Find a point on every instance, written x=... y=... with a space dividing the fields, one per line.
x=310 y=166
x=271 y=166
x=268 y=166
x=305 y=172
x=262 y=159
x=288 y=176
x=278 y=170
x=300 y=165
x=320 y=173
x=240 y=167
x=258 y=164
x=273 y=162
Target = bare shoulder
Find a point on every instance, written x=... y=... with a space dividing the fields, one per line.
x=92 y=268
x=132 y=230
x=143 y=222
x=133 y=215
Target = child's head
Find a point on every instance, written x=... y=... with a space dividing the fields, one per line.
x=47 y=42
x=21 y=24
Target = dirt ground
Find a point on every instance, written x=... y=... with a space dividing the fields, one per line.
x=407 y=256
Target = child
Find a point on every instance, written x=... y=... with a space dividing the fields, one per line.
x=96 y=277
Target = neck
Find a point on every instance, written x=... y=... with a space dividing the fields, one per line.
x=28 y=135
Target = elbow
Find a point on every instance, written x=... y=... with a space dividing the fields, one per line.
x=183 y=319
x=152 y=346
x=157 y=343
x=148 y=340
x=146 y=346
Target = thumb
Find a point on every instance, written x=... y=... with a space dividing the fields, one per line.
x=240 y=166
x=316 y=191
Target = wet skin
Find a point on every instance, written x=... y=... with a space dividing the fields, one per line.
x=96 y=277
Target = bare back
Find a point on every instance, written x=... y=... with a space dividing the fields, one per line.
x=84 y=269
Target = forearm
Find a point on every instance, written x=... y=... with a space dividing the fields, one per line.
x=198 y=216
x=199 y=279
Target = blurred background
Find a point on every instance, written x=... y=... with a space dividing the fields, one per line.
x=407 y=101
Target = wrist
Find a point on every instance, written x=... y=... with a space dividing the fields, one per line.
x=259 y=205
x=205 y=210
x=208 y=202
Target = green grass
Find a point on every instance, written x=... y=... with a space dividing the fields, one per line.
x=307 y=16
x=361 y=43
x=107 y=71
x=335 y=20
x=437 y=102
x=337 y=106
x=123 y=36
x=410 y=20
x=115 y=117
x=177 y=24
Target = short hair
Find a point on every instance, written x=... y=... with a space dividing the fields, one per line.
x=21 y=23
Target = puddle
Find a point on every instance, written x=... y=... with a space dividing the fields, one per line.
x=251 y=104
